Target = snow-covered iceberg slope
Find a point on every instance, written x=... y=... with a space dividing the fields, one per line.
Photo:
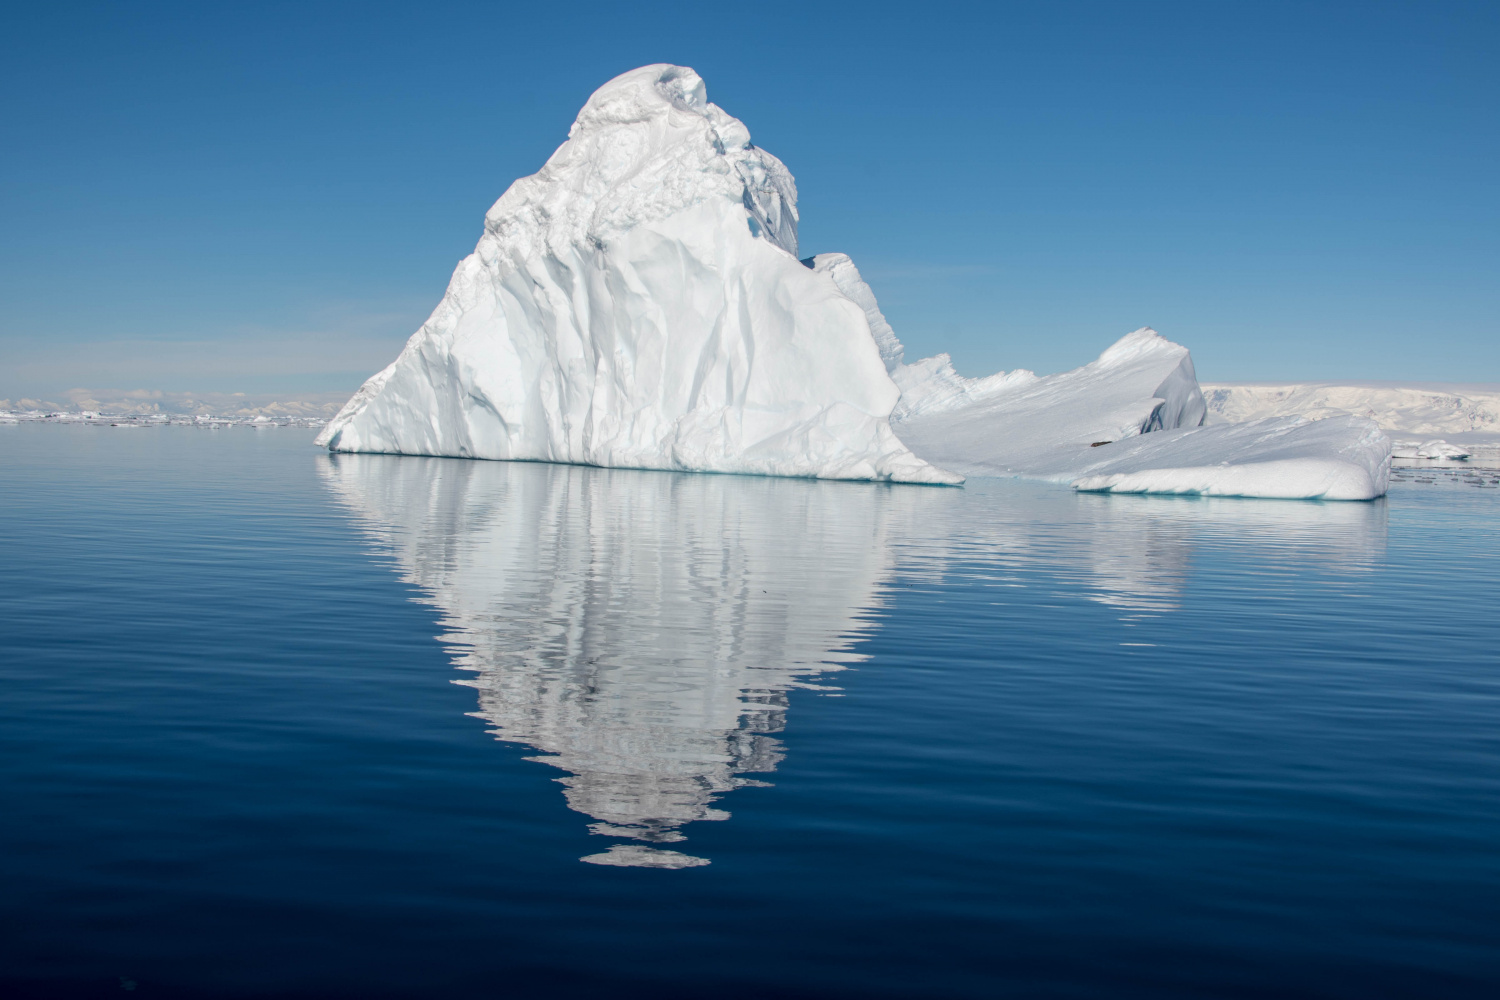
x=1129 y=422
x=1132 y=422
x=638 y=302
x=1023 y=424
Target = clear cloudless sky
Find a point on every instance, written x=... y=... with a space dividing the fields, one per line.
x=272 y=196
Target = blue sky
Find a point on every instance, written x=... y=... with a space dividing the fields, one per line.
x=271 y=197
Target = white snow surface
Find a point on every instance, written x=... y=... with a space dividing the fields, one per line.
x=1141 y=383
x=1128 y=422
x=638 y=302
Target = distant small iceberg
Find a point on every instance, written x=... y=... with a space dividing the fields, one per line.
x=1429 y=449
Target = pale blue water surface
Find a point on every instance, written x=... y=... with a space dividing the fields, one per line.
x=282 y=724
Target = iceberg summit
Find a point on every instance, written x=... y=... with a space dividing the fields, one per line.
x=639 y=302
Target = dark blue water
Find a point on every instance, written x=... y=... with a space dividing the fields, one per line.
x=276 y=724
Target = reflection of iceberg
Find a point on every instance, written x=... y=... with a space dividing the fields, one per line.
x=638 y=303
x=641 y=629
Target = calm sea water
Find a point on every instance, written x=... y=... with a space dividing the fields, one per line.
x=281 y=724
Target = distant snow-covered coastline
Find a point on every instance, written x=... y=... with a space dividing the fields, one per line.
x=1467 y=412
x=208 y=421
x=1428 y=422
x=312 y=408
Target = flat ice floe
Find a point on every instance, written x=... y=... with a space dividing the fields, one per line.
x=639 y=303
x=1340 y=458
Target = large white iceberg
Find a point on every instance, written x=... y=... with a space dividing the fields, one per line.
x=639 y=303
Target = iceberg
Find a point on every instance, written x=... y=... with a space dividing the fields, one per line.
x=639 y=303
x=1438 y=449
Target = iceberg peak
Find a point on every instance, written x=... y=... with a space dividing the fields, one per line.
x=643 y=94
x=1136 y=344
x=646 y=146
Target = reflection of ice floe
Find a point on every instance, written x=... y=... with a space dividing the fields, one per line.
x=1139 y=554
x=1129 y=552
x=640 y=629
